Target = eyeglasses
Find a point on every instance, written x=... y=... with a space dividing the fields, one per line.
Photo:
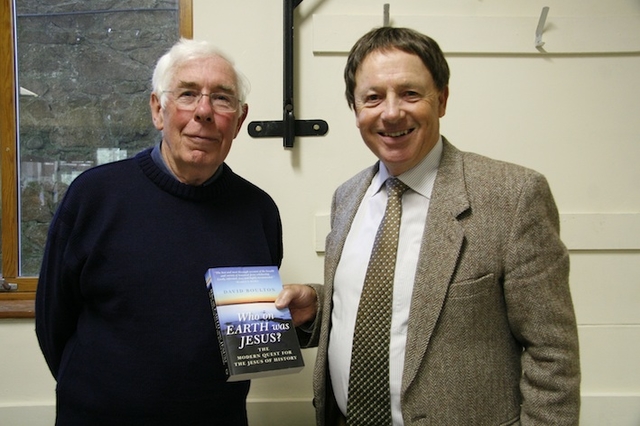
x=188 y=100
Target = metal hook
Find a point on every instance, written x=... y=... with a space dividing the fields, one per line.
x=540 y=27
x=385 y=13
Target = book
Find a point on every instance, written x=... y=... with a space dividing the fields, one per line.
x=256 y=339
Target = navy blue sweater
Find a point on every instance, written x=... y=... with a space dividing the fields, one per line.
x=122 y=312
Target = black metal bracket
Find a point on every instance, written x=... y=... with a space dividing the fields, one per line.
x=289 y=127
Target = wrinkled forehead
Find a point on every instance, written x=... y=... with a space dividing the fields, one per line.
x=211 y=73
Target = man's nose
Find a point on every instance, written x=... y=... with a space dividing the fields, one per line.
x=391 y=108
x=204 y=109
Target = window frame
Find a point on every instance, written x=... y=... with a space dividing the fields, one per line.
x=19 y=303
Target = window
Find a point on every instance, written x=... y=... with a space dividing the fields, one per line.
x=79 y=98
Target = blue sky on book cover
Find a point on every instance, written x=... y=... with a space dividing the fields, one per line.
x=247 y=294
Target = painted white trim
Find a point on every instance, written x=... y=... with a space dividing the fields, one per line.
x=597 y=410
x=581 y=231
x=491 y=34
x=261 y=412
x=601 y=231
x=610 y=410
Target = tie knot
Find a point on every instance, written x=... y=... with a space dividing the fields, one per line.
x=395 y=187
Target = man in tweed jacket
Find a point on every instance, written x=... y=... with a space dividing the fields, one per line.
x=488 y=333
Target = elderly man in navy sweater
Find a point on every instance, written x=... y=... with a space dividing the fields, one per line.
x=122 y=313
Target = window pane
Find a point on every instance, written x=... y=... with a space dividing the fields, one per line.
x=84 y=70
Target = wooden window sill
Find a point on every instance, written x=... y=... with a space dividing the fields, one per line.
x=17 y=309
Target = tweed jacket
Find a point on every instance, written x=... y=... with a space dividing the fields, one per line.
x=492 y=336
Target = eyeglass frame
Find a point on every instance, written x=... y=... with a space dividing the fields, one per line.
x=194 y=104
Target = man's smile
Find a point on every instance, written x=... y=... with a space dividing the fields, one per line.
x=396 y=134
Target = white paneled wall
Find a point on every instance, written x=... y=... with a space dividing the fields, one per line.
x=569 y=113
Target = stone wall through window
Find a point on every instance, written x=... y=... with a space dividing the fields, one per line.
x=84 y=71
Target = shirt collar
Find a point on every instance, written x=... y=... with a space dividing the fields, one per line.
x=156 y=156
x=419 y=178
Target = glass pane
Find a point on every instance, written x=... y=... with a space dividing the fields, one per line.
x=84 y=70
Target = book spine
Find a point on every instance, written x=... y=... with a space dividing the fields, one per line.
x=221 y=343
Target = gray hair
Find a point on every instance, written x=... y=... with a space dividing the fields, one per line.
x=186 y=50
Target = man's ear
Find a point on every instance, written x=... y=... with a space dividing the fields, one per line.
x=243 y=116
x=442 y=101
x=156 y=111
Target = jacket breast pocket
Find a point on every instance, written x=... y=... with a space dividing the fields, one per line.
x=472 y=288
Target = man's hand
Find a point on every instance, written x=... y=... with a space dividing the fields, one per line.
x=301 y=300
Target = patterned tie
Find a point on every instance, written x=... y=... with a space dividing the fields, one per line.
x=369 y=399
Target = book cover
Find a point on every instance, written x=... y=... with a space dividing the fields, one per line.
x=256 y=339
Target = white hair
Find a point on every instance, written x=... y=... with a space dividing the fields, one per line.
x=186 y=50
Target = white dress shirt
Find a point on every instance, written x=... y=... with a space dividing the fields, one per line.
x=351 y=270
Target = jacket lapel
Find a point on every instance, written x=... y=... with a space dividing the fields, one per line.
x=441 y=245
x=345 y=205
